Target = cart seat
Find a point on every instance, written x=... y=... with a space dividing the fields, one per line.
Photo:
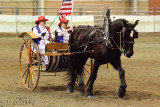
x=59 y=47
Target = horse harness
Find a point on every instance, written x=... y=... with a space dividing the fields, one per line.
x=106 y=39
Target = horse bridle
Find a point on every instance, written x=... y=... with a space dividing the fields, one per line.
x=121 y=35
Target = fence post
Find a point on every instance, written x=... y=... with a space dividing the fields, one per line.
x=80 y=11
x=17 y=13
x=12 y=11
x=154 y=19
x=154 y=11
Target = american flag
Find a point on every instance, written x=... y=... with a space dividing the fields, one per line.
x=65 y=9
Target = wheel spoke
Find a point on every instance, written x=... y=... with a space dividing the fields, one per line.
x=32 y=46
x=84 y=76
x=24 y=61
x=32 y=76
x=30 y=51
x=34 y=68
x=33 y=56
x=26 y=77
x=25 y=48
x=88 y=65
x=24 y=56
x=25 y=72
x=24 y=67
x=33 y=51
x=86 y=70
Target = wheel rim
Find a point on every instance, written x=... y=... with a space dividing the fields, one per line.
x=29 y=64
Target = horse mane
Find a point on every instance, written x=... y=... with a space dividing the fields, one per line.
x=84 y=26
x=121 y=19
x=88 y=27
x=125 y=22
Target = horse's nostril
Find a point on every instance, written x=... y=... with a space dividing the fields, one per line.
x=129 y=55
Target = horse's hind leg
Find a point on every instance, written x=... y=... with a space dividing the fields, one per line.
x=92 y=79
x=72 y=78
x=80 y=81
x=76 y=70
x=122 y=88
x=79 y=69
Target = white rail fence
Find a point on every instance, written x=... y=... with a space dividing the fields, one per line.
x=24 y=23
x=22 y=19
x=146 y=23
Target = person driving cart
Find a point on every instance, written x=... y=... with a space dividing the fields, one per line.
x=44 y=35
x=63 y=31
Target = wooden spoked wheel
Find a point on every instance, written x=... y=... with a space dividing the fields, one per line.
x=29 y=62
x=87 y=72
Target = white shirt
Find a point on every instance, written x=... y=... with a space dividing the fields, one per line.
x=63 y=32
x=43 y=29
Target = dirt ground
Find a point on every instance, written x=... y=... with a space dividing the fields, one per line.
x=142 y=77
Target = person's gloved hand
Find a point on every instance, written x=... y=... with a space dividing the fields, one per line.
x=43 y=34
x=70 y=29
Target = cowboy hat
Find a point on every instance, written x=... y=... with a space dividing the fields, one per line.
x=41 y=18
x=63 y=20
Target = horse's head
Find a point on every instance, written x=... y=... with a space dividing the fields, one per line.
x=128 y=40
x=125 y=34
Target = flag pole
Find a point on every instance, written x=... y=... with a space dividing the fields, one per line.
x=72 y=12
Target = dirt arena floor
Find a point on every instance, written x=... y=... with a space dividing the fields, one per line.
x=142 y=77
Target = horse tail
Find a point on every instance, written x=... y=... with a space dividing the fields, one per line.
x=69 y=74
x=71 y=71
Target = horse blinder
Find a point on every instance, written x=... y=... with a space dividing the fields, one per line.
x=135 y=35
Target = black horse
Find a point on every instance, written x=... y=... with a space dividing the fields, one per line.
x=105 y=47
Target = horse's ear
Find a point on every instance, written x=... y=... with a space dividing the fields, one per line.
x=135 y=23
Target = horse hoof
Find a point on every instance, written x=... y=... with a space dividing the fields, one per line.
x=90 y=96
x=69 y=91
x=121 y=92
x=82 y=91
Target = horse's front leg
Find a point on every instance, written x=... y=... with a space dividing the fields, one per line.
x=93 y=77
x=122 y=88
